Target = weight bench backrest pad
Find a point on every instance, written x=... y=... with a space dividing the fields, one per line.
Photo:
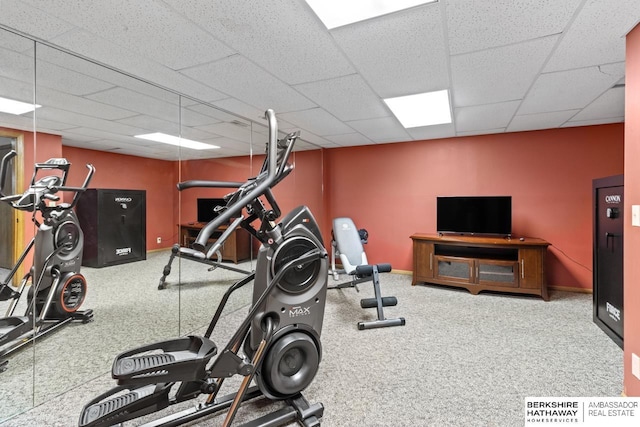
x=348 y=244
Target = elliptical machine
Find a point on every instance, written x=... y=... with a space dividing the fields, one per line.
x=278 y=342
x=57 y=288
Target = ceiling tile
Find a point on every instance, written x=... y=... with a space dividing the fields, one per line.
x=481 y=132
x=400 y=53
x=53 y=98
x=98 y=72
x=540 y=120
x=386 y=129
x=315 y=140
x=350 y=139
x=347 y=98
x=240 y=78
x=284 y=38
x=162 y=36
x=500 y=74
x=16 y=122
x=97 y=48
x=17 y=66
x=609 y=104
x=482 y=117
x=152 y=124
x=433 y=132
x=13 y=89
x=317 y=121
x=594 y=122
x=571 y=89
x=603 y=24
x=53 y=77
x=13 y=42
x=34 y=21
x=474 y=25
x=110 y=127
x=230 y=130
x=97 y=134
x=138 y=103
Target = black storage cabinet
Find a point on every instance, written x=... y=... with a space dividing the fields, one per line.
x=114 y=226
x=608 y=285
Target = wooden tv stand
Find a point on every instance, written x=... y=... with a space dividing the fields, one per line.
x=236 y=248
x=481 y=263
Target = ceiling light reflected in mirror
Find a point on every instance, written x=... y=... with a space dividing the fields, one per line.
x=176 y=140
x=12 y=106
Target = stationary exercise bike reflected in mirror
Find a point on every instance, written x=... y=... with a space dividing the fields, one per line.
x=278 y=342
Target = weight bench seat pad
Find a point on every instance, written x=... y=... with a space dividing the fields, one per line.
x=348 y=244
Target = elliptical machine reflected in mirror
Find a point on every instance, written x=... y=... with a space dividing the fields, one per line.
x=54 y=286
x=278 y=342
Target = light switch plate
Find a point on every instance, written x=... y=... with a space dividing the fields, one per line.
x=635 y=215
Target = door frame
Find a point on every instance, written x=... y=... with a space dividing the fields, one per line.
x=16 y=217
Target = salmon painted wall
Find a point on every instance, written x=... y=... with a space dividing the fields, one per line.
x=632 y=197
x=391 y=189
x=119 y=171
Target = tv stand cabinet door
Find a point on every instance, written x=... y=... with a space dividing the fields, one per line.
x=531 y=262
x=497 y=273
x=454 y=269
x=423 y=260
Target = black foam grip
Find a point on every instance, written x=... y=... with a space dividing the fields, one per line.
x=364 y=270
x=384 y=268
x=372 y=302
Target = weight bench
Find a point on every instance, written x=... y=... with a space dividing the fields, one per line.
x=347 y=245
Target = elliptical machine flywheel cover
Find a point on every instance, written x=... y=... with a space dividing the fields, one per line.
x=67 y=235
x=290 y=364
x=70 y=294
x=301 y=277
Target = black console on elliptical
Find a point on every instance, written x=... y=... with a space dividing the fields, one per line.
x=278 y=342
x=57 y=289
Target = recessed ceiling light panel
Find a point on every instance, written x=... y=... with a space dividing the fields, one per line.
x=336 y=13
x=12 y=106
x=422 y=109
x=176 y=140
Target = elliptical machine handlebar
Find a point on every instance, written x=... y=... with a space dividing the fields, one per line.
x=273 y=170
x=44 y=188
x=81 y=189
x=3 y=170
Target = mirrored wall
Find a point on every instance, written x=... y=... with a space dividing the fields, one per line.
x=135 y=292
x=17 y=72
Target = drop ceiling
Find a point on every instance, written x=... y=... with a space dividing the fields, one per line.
x=510 y=66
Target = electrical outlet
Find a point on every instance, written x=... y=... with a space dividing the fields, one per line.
x=635 y=215
x=159 y=240
x=635 y=365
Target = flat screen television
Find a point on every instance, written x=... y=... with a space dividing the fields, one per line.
x=206 y=207
x=484 y=215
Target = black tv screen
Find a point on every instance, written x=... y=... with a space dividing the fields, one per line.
x=206 y=207
x=488 y=215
